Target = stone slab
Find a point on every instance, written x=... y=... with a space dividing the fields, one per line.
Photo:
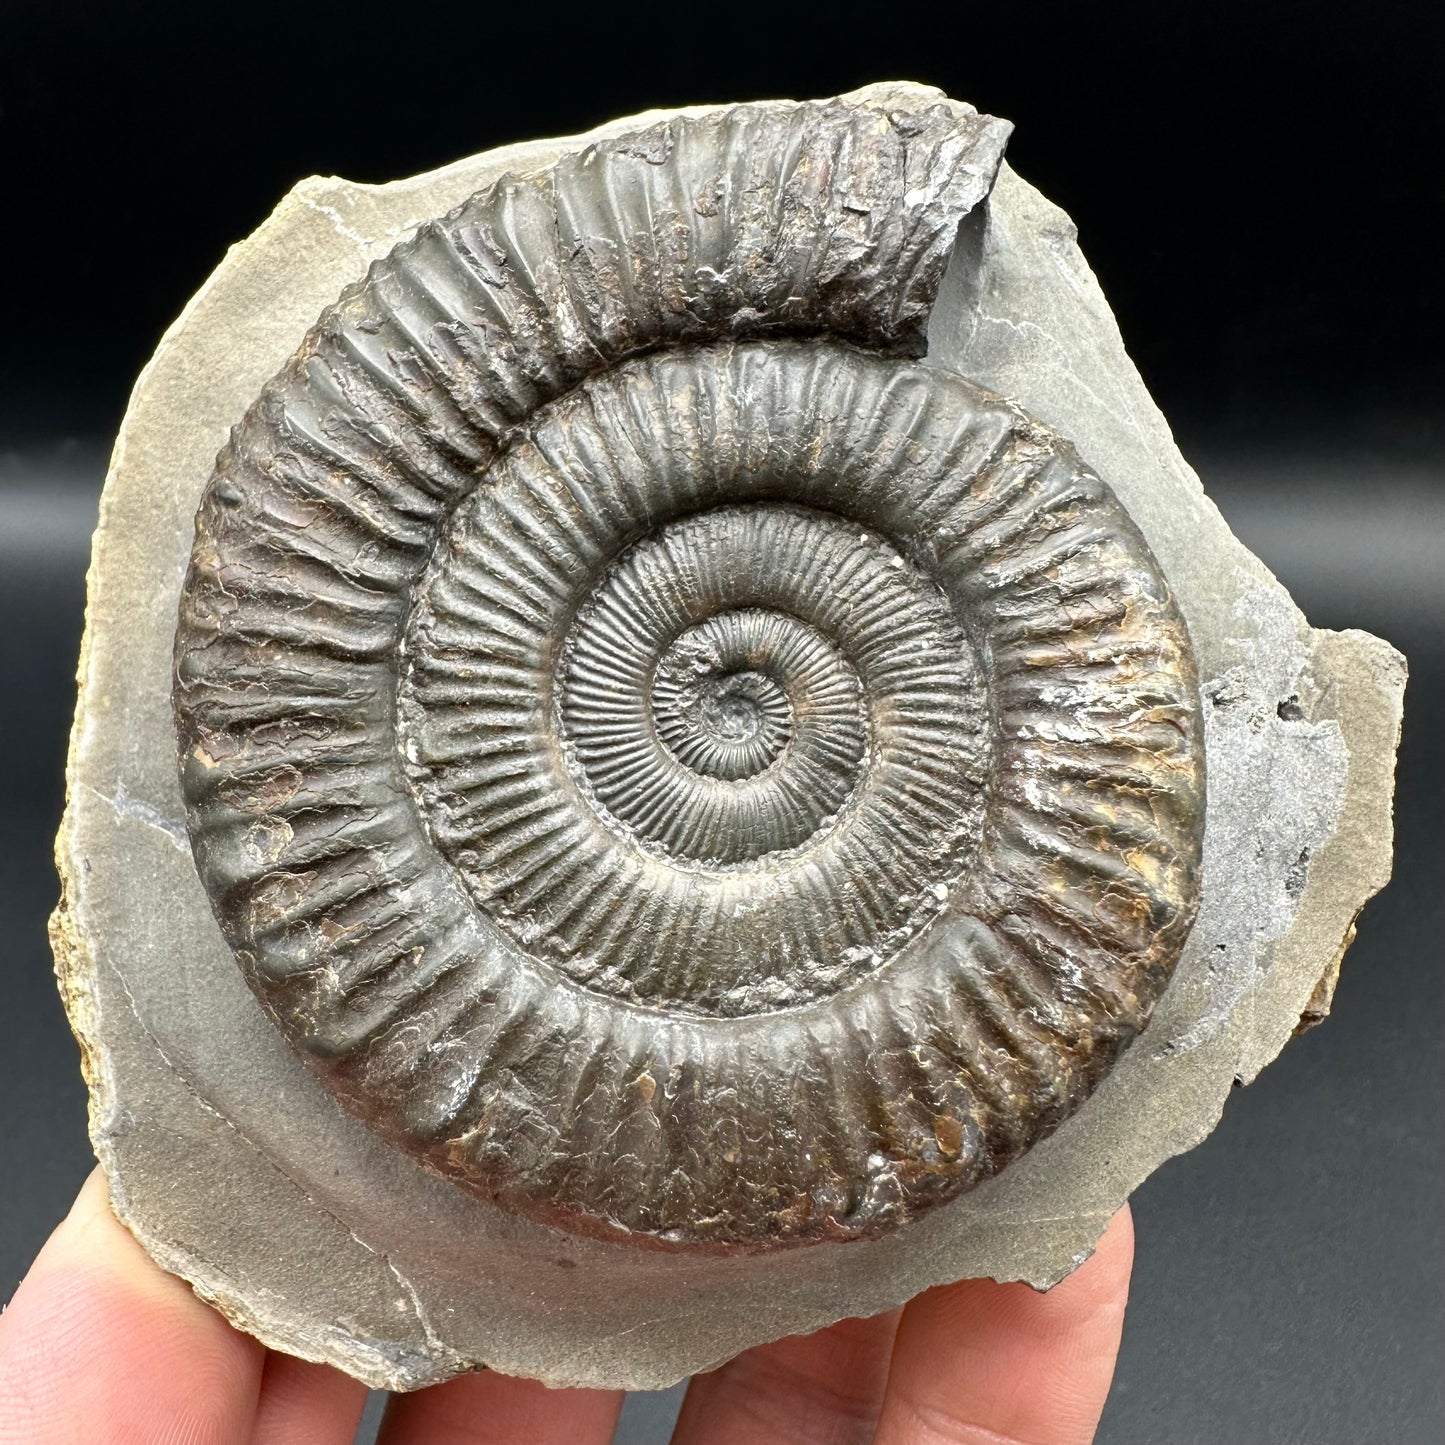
x=237 y=1171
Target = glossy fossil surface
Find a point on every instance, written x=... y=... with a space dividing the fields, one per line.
x=665 y=759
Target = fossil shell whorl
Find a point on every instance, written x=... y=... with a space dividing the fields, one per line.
x=662 y=759
x=636 y=868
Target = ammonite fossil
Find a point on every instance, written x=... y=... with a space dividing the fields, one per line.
x=666 y=756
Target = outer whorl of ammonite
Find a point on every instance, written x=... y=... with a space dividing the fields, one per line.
x=664 y=759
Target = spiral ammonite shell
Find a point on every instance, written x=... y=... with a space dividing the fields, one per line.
x=665 y=757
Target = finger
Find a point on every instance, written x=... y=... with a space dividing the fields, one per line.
x=100 y=1344
x=819 y=1389
x=980 y=1363
x=306 y=1404
x=493 y=1409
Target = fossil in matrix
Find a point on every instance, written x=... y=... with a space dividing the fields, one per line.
x=697 y=739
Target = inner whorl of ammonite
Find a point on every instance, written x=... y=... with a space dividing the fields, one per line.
x=663 y=758
x=761 y=730
x=705 y=714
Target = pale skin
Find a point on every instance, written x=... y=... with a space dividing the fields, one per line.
x=100 y=1347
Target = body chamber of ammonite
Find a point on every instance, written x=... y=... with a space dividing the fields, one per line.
x=664 y=757
x=692 y=688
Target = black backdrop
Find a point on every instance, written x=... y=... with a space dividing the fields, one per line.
x=1251 y=180
x=1259 y=189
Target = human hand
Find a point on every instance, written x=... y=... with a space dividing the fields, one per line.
x=101 y=1347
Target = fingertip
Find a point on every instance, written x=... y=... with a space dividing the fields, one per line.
x=825 y=1386
x=303 y=1403
x=979 y=1360
x=488 y=1408
x=100 y=1343
x=1100 y=1285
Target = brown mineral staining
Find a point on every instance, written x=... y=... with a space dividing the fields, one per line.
x=666 y=760
x=264 y=793
x=949 y=1134
x=1317 y=1010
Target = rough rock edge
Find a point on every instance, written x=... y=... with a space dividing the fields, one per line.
x=1362 y=844
x=373 y=1366
x=1369 y=715
x=76 y=965
x=1359 y=848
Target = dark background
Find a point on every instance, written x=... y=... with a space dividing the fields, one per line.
x=1259 y=189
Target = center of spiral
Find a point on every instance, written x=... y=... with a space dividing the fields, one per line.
x=717 y=708
x=726 y=710
x=703 y=715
